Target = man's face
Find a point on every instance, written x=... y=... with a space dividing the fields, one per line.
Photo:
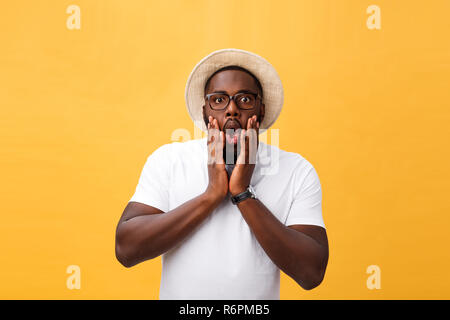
x=232 y=82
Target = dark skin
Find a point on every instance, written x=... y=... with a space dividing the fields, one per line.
x=143 y=233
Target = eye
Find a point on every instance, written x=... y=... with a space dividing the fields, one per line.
x=245 y=99
x=218 y=100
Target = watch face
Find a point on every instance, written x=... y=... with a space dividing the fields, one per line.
x=248 y=193
x=250 y=188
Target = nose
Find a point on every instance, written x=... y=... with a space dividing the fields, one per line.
x=232 y=109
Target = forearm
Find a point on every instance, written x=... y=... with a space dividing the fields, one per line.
x=297 y=254
x=148 y=236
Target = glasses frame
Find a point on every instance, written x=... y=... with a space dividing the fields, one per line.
x=209 y=95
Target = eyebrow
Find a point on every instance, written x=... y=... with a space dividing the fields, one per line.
x=240 y=91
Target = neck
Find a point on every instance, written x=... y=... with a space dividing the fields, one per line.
x=230 y=153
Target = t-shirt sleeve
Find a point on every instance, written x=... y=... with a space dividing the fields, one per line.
x=153 y=185
x=306 y=207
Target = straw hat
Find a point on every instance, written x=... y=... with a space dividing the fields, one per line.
x=273 y=95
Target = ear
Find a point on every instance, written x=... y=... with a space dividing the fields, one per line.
x=205 y=118
x=262 y=112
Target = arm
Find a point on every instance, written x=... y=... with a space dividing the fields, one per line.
x=145 y=232
x=301 y=251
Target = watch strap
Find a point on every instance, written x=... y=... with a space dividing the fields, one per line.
x=242 y=196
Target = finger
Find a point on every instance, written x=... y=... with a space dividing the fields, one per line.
x=220 y=143
x=213 y=127
x=212 y=141
x=210 y=148
x=210 y=122
x=241 y=158
x=211 y=145
x=252 y=146
x=209 y=129
x=247 y=148
x=222 y=138
x=217 y=148
x=217 y=145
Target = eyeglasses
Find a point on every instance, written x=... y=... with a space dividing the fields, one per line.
x=244 y=100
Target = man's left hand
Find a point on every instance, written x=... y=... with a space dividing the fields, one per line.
x=245 y=164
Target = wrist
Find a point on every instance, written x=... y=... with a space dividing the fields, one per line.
x=236 y=191
x=212 y=197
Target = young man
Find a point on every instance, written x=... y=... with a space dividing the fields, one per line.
x=224 y=215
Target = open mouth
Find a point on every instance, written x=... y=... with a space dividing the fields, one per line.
x=233 y=137
x=232 y=132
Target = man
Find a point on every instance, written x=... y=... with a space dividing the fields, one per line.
x=226 y=234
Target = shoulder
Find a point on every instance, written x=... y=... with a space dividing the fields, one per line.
x=177 y=149
x=302 y=173
x=287 y=160
x=190 y=147
x=161 y=151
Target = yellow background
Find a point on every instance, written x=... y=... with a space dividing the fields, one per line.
x=82 y=109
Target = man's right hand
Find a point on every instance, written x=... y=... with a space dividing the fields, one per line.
x=145 y=232
x=218 y=177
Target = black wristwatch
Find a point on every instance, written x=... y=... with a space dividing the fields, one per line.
x=248 y=193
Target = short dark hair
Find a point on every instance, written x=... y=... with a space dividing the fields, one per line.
x=234 y=68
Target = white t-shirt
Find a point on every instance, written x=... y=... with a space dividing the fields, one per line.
x=222 y=259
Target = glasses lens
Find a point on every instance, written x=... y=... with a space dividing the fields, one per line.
x=245 y=101
x=218 y=101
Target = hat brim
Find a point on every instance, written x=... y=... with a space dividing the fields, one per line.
x=273 y=94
